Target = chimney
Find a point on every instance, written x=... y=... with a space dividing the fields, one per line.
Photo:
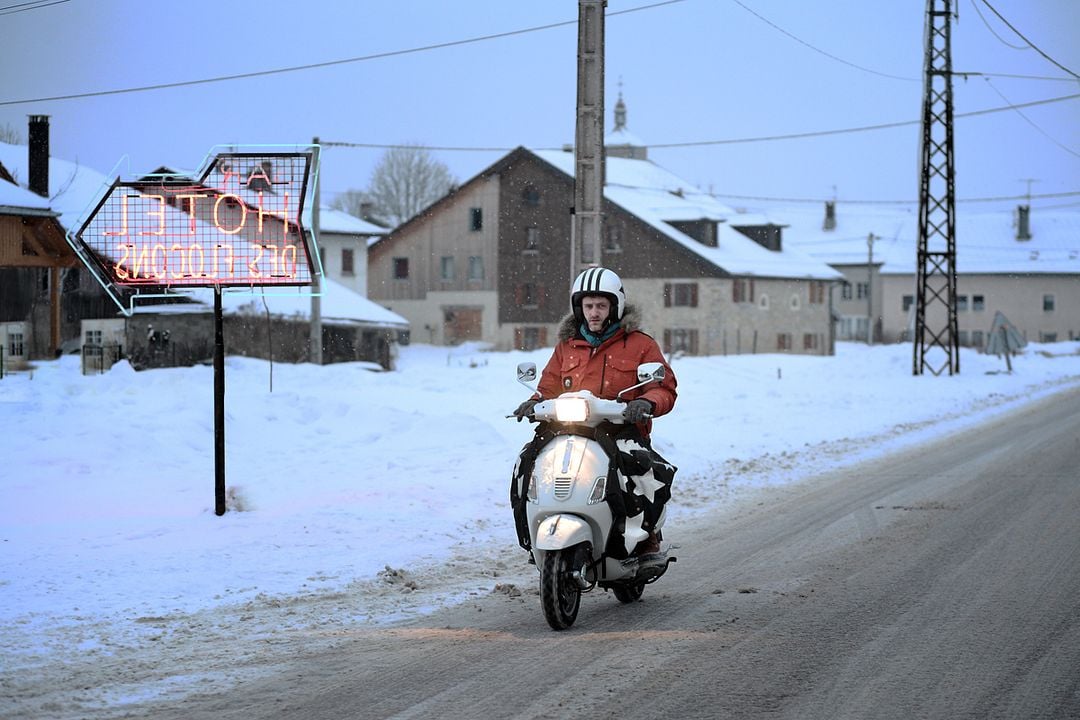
x=830 y=215
x=39 y=155
x=1023 y=222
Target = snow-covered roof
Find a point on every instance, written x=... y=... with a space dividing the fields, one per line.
x=622 y=136
x=339 y=221
x=338 y=304
x=658 y=196
x=15 y=200
x=72 y=187
x=986 y=242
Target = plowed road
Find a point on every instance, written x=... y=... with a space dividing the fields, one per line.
x=943 y=583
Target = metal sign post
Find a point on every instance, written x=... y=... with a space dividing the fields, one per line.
x=237 y=223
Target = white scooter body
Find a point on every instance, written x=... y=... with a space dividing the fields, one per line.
x=570 y=478
x=568 y=518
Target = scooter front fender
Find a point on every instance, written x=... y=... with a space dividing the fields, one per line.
x=557 y=532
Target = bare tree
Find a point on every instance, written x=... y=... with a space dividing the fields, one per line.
x=10 y=135
x=357 y=203
x=407 y=180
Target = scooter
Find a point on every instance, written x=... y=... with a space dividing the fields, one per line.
x=568 y=517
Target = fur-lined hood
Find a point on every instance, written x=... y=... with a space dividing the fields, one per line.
x=568 y=328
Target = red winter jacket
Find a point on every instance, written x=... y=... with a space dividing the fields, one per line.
x=609 y=368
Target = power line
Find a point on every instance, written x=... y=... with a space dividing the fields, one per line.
x=1031 y=44
x=1003 y=41
x=1032 y=122
x=1000 y=198
x=33 y=5
x=328 y=63
x=773 y=25
x=702 y=143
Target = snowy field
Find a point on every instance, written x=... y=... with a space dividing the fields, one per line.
x=374 y=496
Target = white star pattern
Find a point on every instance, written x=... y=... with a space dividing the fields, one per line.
x=633 y=534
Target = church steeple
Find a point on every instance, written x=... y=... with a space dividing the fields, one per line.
x=620 y=142
x=620 y=112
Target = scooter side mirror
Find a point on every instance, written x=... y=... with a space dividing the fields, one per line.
x=526 y=373
x=647 y=372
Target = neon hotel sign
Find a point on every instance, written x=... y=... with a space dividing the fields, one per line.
x=239 y=223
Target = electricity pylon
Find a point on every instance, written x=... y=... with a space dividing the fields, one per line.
x=936 y=338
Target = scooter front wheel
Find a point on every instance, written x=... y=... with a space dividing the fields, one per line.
x=560 y=595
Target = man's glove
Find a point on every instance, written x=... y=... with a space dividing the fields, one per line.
x=637 y=410
x=525 y=409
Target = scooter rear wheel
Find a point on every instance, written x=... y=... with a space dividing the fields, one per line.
x=560 y=595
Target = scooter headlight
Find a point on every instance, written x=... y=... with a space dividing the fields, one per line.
x=599 y=490
x=531 y=495
x=571 y=410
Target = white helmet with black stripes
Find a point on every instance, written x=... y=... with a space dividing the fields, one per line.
x=598 y=281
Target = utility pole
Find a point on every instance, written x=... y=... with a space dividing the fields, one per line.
x=585 y=229
x=935 y=299
x=870 y=289
x=316 y=276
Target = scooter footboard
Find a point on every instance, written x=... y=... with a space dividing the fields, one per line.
x=556 y=532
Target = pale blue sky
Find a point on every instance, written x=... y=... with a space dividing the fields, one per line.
x=695 y=70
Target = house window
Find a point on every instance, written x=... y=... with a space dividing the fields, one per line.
x=681 y=340
x=845 y=290
x=476 y=219
x=530 y=196
x=680 y=294
x=977 y=338
x=817 y=292
x=811 y=341
x=15 y=345
x=794 y=302
x=532 y=240
x=446 y=267
x=476 y=267
x=862 y=290
x=401 y=268
x=612 y=239
x=978 y=303
x=527 y=295
x=1048 y=303
x=1047 y=337
x=347 y=261
x=93 y=337
x=909 y=300
x=961 y=303
x=783 y=341
x=763 y=302
x=530 y=337
x=742 y=290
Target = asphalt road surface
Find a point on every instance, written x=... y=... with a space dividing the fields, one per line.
x=942 y=583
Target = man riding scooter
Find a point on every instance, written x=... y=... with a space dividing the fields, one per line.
x=600 y=348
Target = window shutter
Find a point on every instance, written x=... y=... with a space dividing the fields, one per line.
x=519 y=338
x=543 y=337
x=751 y=298
x=667 y=294
x=519 y=295
x=693 y=295
x=667 y=341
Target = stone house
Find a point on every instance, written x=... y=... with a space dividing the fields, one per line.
x=490 y=262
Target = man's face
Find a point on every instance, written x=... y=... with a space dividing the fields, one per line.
x=595 y=309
